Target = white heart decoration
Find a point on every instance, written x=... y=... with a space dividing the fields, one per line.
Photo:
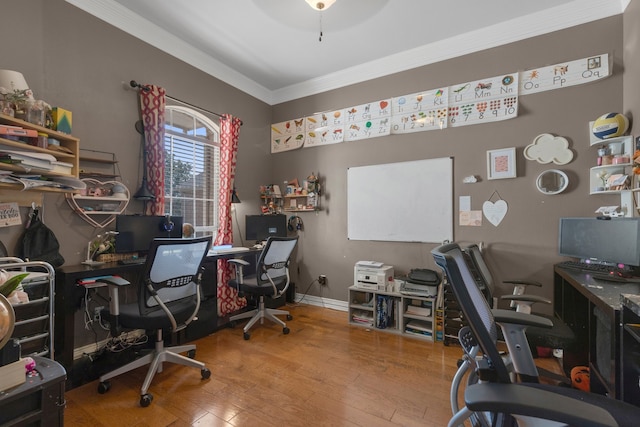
x=495 y=212
x=97 y=216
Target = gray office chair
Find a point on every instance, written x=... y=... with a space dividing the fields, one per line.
x=559 y=335
x=168 y=299
x=495 y=398
x=270 y=281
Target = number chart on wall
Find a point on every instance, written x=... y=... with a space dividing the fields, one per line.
x=402 y=202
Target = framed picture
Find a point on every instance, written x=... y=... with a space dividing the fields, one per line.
x=501 y=163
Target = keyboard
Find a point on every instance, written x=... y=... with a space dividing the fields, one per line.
x=132 y=261
x=600 y=271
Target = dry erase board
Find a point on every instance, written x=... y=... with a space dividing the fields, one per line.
x=402 y=202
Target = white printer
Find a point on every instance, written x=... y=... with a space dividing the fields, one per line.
x=372 y=275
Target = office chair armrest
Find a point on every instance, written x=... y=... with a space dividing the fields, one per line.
x=523 y=282
x=518 y=399
x=114 y=283
x=239 y=262
x=523 y=302
x=517 y=318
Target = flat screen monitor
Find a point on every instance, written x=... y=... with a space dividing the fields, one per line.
x=612 y=241
x=135 y=232
x=261 y=227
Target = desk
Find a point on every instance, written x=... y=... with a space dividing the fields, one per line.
x=69 y=297
x=592 y=308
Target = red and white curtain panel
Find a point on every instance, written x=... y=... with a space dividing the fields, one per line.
x=152 y=106
x=228 y=300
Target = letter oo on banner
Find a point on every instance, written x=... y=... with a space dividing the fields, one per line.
x=495 y=212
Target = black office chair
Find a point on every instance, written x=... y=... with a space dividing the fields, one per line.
x=496 y=398
x=271 y=281
x=168 y=299
x=559 y=335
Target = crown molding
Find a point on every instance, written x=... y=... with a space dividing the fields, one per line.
x=557 y=18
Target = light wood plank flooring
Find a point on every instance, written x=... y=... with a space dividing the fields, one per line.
x=324 y=373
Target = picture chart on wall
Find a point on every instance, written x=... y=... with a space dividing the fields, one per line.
x=475 y=102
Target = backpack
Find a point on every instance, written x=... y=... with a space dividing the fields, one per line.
x=38 y=243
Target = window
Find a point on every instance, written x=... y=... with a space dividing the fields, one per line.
x=192 y=162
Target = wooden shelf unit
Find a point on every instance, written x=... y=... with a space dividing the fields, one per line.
x=67 y=141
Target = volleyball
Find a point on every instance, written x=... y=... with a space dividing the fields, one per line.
x=610 y=125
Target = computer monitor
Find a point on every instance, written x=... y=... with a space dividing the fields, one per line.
x=135 y=232
x=261 y=227
x=614 y=241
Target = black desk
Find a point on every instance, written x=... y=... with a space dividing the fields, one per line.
x=592 y=308
x=69 y=297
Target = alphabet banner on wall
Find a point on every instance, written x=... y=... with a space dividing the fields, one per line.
x=401 y=202
x=484 y=101
x=419 y=112
x=480 y=101
x=565 y=74
x=325 y=128
x=368 y=120
x=287 y=135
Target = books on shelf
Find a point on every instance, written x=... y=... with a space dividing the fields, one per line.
x=363 y=318
x=32 y=159
x=17 y=131
x=419 y=327
x=418 y=310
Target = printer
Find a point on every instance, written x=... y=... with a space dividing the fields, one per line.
x=372 y=275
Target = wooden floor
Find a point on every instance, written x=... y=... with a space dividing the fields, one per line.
x=324 y=373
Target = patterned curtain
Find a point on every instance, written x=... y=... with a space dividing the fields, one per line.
x=228 y=300
x=152 y=103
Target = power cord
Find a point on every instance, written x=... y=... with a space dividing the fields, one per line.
x=306 y=291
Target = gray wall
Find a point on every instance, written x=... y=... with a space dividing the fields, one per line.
x=525 y=243
x=78 y=62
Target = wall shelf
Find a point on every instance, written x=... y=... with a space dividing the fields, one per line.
x=68 y=153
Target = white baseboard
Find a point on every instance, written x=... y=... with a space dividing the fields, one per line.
x=322 y=302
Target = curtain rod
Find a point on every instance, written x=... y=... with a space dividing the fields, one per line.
x=137 y=85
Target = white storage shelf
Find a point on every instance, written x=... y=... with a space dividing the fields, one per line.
x=622 y=145
x=364 y=312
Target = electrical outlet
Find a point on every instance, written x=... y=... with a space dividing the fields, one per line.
x=96 y=313
x=322 y=279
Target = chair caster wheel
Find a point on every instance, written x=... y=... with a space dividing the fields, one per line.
x=205 y=373
x=145 y=400
x=285 y=330
x=246 y=336
x=104 y=387
x=289 y=317
x=191 y=354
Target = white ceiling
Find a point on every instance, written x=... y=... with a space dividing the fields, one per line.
x=270 y=48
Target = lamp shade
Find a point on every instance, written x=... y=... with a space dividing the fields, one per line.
x=234 y=197
x=11 y=81
x=320 y=4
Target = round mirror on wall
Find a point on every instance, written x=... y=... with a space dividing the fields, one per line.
x=552 y=181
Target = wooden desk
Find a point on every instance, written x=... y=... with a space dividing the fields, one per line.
x=592 y=308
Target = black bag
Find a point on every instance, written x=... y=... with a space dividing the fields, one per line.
x=38 y=243
x=424 y=276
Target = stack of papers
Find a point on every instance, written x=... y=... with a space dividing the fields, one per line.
x=226 y=249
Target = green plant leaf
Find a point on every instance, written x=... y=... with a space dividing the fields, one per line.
x=10 y=285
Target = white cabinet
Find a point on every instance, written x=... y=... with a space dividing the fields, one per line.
x=617 y=162
x=392 y=312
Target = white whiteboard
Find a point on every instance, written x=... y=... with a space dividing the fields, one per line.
x=401 y=202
